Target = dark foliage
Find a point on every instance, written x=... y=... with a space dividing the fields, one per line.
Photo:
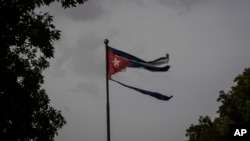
x=26 y=44
x=235 y=109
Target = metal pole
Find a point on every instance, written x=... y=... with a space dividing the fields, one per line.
x=106 y=41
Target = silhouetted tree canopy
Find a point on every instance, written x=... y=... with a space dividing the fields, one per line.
x=26 y=44
x=235 y=109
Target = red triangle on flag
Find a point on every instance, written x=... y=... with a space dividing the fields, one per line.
x=116 y=63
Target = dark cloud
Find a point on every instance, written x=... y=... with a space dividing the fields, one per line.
x=66 y=108
x=88 y=11
x=83 y=57
x=87 y=88
x=182 y=4
x=207 y=47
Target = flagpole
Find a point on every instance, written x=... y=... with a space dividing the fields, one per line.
x=106 y=41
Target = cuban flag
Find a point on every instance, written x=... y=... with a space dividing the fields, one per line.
x=119 y=60
x=137 y=62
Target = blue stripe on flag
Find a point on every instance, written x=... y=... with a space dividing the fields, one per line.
x=153 y=94
x=150 y=68
x=155 y=62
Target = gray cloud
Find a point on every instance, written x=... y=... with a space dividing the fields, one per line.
x=90 y=10
x=80 y=57
x=208 y=47
x=181 y=4
x=85 y=88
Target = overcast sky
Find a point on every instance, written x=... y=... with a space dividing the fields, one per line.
x=208 y=42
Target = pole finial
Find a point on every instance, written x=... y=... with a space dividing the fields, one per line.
x=106 y=41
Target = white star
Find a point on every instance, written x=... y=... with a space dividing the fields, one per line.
x=116 y=62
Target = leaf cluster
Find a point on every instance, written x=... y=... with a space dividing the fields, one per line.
x=26 y=44
x=234 y=109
